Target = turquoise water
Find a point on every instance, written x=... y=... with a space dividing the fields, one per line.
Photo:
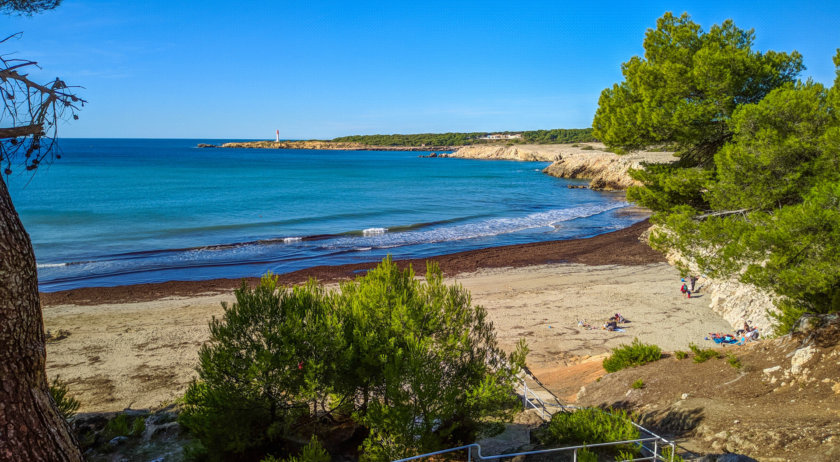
x=121 y=211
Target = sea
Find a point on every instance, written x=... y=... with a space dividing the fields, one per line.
x=126 y=211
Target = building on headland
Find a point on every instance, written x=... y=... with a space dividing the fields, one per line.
x=502 y=136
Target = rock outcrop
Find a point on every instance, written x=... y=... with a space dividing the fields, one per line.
x=525 y=152
x=606 y=170
x=326 y=145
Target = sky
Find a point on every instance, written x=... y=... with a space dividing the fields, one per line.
x=243 y=69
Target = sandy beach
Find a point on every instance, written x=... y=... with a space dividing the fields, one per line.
x=137 y=346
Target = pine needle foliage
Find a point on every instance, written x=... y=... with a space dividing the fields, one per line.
x=591 y=426
x=67 y=404
x=701 y=355
x=411 y=360
x=634 y=354
x=756 y=192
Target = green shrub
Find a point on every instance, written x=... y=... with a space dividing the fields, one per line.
x=585 y=455
x=591 y=426
x=66 y=404
x=411 y=360
x=138 y=426
x=586 y=148
x=635 y=354
x=667 y=455
x=267 y=358
x=733 y=361
x=312 y=452
x=626 y=455
x=125 y=425
x=194 y=451
x=703 y=355
x=638 y=384
x=681 y=354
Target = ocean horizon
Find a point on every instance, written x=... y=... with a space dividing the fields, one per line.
x=127 y=211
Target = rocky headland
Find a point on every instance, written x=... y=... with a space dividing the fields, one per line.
x=605 y=170
x=325 y=145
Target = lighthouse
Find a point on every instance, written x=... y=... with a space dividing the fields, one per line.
x=278 y=136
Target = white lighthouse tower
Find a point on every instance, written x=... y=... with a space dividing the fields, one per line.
x=278 y=136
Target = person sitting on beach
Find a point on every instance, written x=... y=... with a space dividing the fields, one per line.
x=619 y=318
x=744 y=330
x=751 y=335
x=610 y=325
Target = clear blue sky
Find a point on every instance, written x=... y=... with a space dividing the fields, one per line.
x=241 y=69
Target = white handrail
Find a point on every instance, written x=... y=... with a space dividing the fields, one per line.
x=469 y=447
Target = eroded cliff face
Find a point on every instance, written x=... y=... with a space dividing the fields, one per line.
x=606 y=170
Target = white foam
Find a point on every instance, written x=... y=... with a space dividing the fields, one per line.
x=289 y=240
x=374 y=232
x=377 y=237
x=51 y=265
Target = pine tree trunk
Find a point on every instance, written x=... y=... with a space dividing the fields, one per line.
x=30 y=427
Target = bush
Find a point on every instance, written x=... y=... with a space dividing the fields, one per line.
x=586 y=148
x=669 y=455
x=66 y=404
x=638 y=384
x=625 y=455
x=124 y=425
x=411 y=360
x=585 y=455
x=591 y=426
x=635 y=354
x=681 y=354
x=733 y=361
x=312 y=452
x=703 y=355
x=265 y=363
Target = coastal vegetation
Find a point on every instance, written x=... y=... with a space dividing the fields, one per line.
x=559 y=135
x=66 y=403
x=407 y=365
x=634 y=354
x=701 y=355
x=591 y=426
x=755 y=191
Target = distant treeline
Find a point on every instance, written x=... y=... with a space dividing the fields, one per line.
x=559 y=135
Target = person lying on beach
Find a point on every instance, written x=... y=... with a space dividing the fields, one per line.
x=610 y=325
x=584 y=324
x=619 y=318
x=722 y=338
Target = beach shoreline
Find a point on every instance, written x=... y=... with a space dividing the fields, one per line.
x=621 y=247
x=137 y=346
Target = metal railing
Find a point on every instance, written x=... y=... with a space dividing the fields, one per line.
x=531 y=400
x=476 y=449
